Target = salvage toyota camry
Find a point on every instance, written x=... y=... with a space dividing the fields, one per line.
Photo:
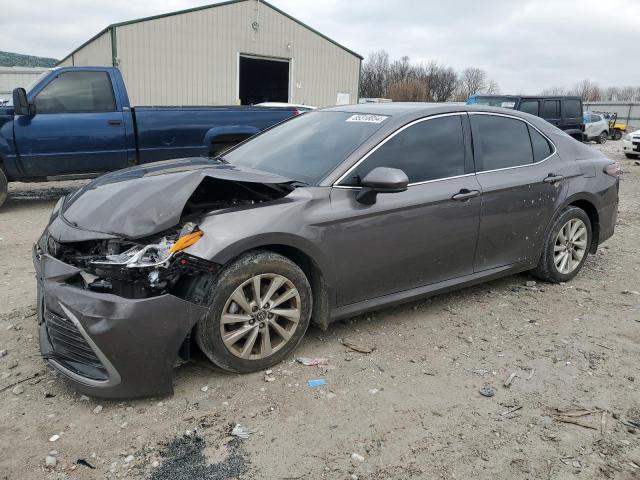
x=328 y=215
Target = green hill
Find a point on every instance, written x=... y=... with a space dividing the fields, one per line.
x=8 y=59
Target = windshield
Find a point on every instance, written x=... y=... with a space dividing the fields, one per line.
x=308 y=147
x=504 y=102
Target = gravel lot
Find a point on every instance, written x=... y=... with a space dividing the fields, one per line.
x=410 y=409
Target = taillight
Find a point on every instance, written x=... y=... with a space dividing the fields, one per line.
x=613 y=169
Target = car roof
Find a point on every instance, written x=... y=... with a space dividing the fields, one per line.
x=402 y=109
x=532 y=97
x=283 y=104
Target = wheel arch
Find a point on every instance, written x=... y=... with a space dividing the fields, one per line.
x=584 y=202
x=319 y=289
x=303 y=253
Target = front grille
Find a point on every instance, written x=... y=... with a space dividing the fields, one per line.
x=71 y=349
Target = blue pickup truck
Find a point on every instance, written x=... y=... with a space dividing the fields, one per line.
x=77 y=122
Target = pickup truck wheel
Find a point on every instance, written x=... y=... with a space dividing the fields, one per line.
x=4 y=187
x=259 y=310
x=617 y=134
x=566 y=247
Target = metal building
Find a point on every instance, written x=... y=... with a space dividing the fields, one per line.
x=13 y=77
x=234 y=52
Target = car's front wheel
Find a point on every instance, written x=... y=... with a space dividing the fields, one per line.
x=259 y=309
x=566 y=247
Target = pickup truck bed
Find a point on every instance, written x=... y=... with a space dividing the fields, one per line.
x=77 y=122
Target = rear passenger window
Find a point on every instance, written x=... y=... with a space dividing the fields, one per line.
x=572 y=109
x=504 y=142
x=541 y=147
x=551 y=109
x=428 y=150
x=530 y=106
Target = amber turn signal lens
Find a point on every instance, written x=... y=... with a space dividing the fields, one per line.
x=186 y=241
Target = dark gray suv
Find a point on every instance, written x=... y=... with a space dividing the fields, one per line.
x=328 y=215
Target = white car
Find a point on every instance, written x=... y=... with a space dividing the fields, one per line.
x=596 y=127
x=631 y=144
x=301 y=108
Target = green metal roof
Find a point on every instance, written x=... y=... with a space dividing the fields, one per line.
x=204 y=7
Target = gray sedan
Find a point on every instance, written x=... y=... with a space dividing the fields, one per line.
x=325 y=216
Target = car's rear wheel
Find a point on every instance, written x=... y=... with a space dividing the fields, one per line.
x=566 y=247
x=259 y=309
x=602 y=138
x=4 y=187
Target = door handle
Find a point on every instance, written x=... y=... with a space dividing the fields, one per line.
x=465 y=194
x=114 y=122
x=551 y=178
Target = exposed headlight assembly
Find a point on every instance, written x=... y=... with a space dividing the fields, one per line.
x=152 y=255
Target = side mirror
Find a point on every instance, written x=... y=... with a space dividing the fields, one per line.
x=21 y=105
x=381 y=180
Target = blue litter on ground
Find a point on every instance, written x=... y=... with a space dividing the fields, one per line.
x=317 y=382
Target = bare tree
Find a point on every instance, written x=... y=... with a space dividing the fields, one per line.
x=472 y=81
x=401 y=80
x=441 y=81
x=492 y=88
x=408 y=90
x=629 y=94
x=554 y=91
x=591 y=92
x=374 y=77
x=611 y=94
x=587 y=90
x=400 y=70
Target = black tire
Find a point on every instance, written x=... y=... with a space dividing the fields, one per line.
x=208 y=333
x=630 y=155
x=546 y=269
x=617 y=134
x=602 y=138
x=4 y=187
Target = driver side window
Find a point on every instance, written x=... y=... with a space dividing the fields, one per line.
x=429 y=150
x=77 y=92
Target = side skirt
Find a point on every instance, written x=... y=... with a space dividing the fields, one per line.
x=426 y=291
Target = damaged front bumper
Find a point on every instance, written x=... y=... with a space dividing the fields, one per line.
x=107 y=345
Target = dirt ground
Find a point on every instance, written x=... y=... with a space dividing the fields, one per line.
x=411 y=409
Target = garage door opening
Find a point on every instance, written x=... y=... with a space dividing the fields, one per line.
x=263 y=80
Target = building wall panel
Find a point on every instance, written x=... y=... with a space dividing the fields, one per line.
x=192 y=58
x=96 y=53
x=14 y=77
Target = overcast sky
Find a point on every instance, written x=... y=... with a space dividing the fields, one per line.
x=525 y=45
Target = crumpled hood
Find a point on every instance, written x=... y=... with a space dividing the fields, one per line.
x=140 y=201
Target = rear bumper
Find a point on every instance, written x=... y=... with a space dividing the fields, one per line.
x=607 y=216
x=105 y=345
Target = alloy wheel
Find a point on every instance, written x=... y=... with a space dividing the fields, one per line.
x=603 y=138
x=260 y=316
x=570 y=246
